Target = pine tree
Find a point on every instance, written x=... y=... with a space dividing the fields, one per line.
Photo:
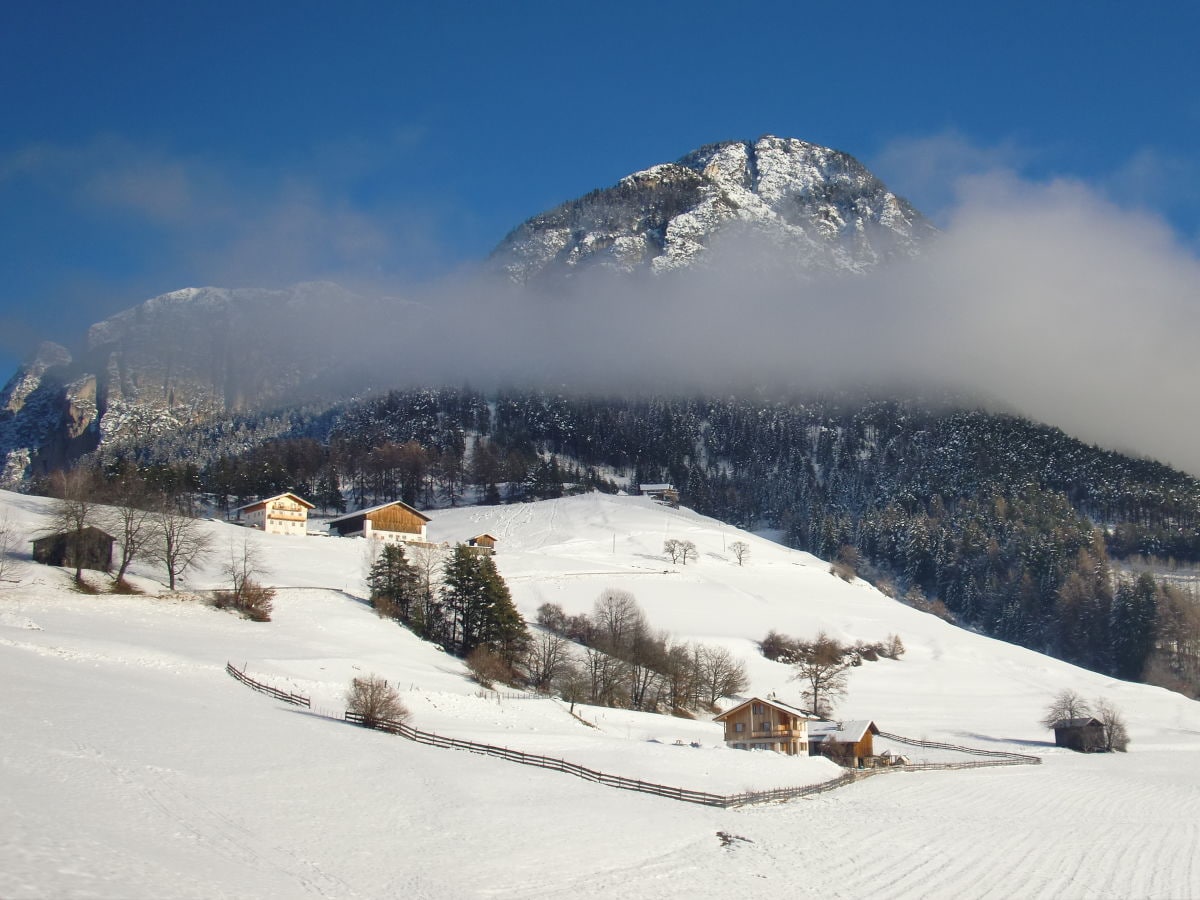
x=393 y=584
x=479 y=608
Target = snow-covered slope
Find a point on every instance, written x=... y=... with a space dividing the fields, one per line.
x=132 y=766
x=796 y=204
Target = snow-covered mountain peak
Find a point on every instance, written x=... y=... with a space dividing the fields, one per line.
x=817 y=210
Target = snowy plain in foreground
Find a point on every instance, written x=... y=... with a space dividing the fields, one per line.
x=132 y=766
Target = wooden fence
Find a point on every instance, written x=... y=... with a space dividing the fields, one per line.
x=993 y=757
x=240 y=675
x=703 y=798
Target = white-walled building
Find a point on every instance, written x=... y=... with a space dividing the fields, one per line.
x=281 y=514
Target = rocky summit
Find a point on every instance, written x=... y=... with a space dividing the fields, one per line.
x=808 y=207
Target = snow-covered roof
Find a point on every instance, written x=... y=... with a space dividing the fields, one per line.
x=1082 y=722
x=850 y=732
x=255 y=503
x=371 y=509
x=646 y=488
x=778 y=704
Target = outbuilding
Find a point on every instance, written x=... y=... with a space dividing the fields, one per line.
x=1084 y=734
x=90 y=548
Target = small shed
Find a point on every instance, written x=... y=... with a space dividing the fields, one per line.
x=1084 y=735
x=846 y=743
x=90 y=548
x=483 y=544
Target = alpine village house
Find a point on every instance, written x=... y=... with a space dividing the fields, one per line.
x=281 y=514
x=392 y=523
x=761 y=724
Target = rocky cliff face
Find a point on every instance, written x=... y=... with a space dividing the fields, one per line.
x=815 y=209
x=177 y=359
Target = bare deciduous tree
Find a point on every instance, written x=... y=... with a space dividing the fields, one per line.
x=741 y=551
x=375 y=700
x=179 y=541
x=1116 y=734
x=822 y=671
x=74 y=510
x=8 y=539
x=719 y=674
x=1067 y=704
x=546 y=657
x=243 y=570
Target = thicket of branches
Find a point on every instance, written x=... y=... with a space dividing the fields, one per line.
x=822 y=664
x=628 y=664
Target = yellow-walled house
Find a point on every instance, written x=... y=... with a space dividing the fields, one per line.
x=760 y=724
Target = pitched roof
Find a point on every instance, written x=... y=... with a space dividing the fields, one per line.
x=1082 y=722
x=371 y=509
x=265 y=500
x=850 y=732
x=779 y=705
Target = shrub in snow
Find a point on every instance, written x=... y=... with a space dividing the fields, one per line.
x=375 y=700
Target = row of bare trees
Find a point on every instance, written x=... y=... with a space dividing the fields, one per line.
x=146 y=524
x=626 y=663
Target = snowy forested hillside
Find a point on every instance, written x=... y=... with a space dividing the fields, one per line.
x=132 y=766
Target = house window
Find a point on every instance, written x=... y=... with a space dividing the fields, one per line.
x=758 y=709
x=740 y=726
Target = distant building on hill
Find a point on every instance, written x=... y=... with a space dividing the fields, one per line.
x=663 y=493
x=483 y=543
x=90 y=549
x=393 y=523
x=281 y=514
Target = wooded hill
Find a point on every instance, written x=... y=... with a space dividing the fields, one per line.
x=994 y=521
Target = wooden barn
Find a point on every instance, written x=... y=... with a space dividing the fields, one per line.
x=483 y=544
x=393 y=523
x=1084 y=735
x=760 y=724
x=281 y=514
x=849 y=744
x=90 y=549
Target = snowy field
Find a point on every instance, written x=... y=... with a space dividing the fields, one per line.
x=132 y=766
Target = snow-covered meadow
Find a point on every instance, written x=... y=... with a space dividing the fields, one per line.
x=132 y=766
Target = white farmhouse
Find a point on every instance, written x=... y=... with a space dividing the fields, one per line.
x=281 y=514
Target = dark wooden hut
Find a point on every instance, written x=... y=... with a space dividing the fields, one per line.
x=1085 y=735
x=89 y=549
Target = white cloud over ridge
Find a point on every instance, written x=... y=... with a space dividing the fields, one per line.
x=1045 y=298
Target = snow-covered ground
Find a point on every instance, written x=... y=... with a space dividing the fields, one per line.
x=132 y=766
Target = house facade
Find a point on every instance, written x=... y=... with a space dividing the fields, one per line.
x=389 y=523
x=760 y=724
x=281 y=514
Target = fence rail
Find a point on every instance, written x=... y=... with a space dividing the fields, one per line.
x=703 y=798
x=724 y=801
x=999 y=757
x=286 y=697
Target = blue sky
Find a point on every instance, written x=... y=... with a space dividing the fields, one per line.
x=150 y=146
